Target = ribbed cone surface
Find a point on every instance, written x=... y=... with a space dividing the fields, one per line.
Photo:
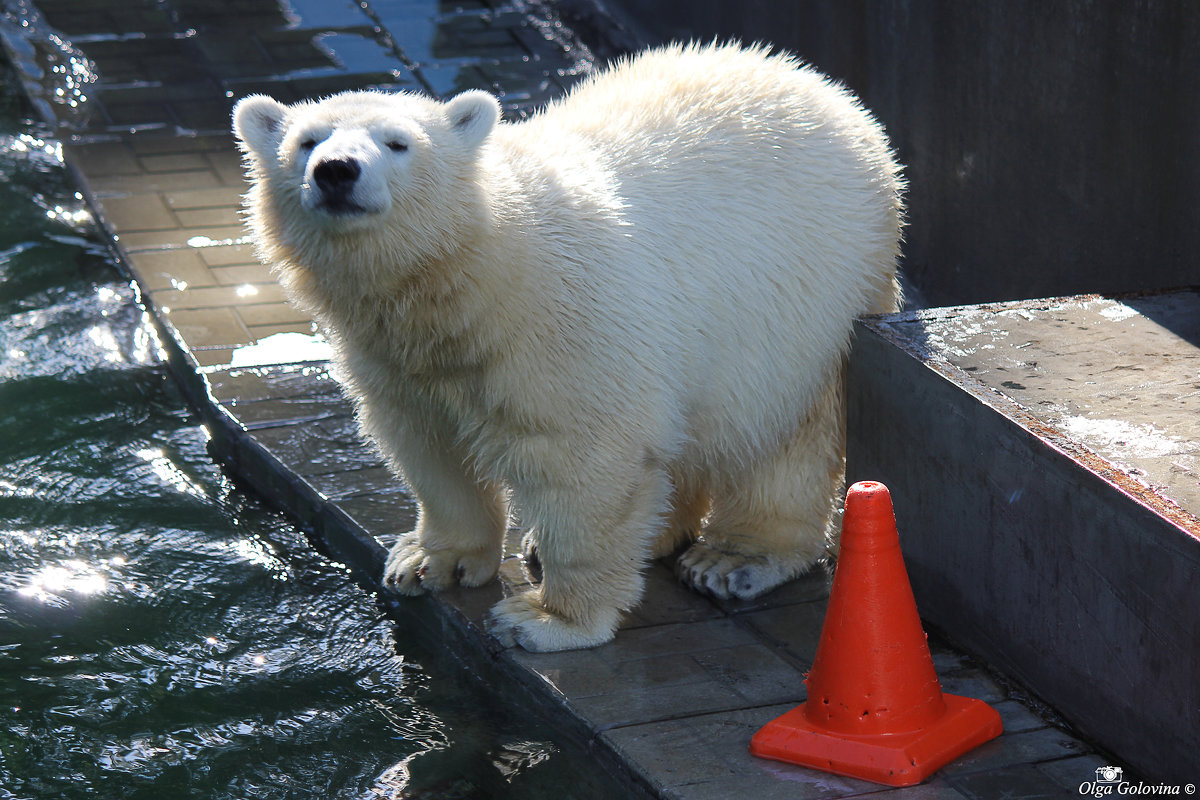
x=872 y=673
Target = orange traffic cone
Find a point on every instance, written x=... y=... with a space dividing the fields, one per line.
x=875 y=709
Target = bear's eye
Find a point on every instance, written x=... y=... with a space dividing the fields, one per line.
x=308 y=144
x=397 y=147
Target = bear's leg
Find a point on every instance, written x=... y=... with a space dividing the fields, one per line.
x=689 y=506
x=592 y=548
x=774 y=521
x=459 y=536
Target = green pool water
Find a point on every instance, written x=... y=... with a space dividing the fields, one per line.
x=162 y=634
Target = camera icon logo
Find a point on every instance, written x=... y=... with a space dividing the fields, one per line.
x=1109 y=775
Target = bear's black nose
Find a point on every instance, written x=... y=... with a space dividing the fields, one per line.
x=335 y=177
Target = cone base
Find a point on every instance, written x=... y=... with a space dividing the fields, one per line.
x=893 y=759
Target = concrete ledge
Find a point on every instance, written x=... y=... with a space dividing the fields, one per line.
x=1055 y=564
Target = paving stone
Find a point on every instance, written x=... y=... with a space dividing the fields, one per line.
x=404 y=10
x=229 y=256
x=638 y=676
x=412 y=35
x=521 y=81
x=1010 y=750
x=83 y=18
x=786 y=787
x=328 y=445
x=689 y=637
x=707 y=755
x=756 y=672
x=513 y=573
x=1069 y=773
x=209 y=217
x=271 y=413
x=141 y=212
x=322 y=14
x=945 y=658
x=173 y=162
x=475 y=603
x=102 y=158
x=665 y=600
x=195 y=105
x=133 y=241
x=170 y=269
x=220 y=14
x=183 y=198
x=228 y=164
x=585 y=674
x=142 y=182
x=1025 y=782
x=260 y=332
x=470 y=37
x=279 y=312
x=152 y=60
x=208 y=327
x=158 y=144
x=1016 y=717
x=382 y=513
x=156 y=95
x=797 y=628
x=354 y=483
x=635 y=706
x=972 y=683
x=294 y=88
x=253 y=302
x=240 y=55
x=268 y=383
x=241 y=274
x=212 y=115
x=212 y=357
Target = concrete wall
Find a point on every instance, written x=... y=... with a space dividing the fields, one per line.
x=1052 y=147
x=1031 y=552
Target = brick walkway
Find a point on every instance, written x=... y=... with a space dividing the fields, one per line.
x=140 y=95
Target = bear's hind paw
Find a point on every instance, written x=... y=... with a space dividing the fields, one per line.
x=727 y=576
x=520 y=619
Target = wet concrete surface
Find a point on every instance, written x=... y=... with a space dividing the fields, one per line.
x=140 y=96
x=1119 y=376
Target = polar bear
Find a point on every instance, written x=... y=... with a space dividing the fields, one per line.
x=624 y=318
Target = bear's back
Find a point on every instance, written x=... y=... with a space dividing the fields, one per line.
x=693 y=101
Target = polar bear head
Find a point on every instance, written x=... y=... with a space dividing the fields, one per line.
x=352 y=160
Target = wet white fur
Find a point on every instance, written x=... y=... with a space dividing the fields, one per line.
x=626 y=317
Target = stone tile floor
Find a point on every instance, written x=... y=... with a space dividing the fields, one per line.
x=140 y=94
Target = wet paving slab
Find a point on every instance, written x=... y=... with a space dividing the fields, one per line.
x=140 y=93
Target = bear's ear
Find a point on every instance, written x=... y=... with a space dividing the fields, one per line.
x=472 y=115
x=258 y=122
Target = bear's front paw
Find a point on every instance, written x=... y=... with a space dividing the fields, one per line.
x=411 y=567
x=732 y=575
x=521 y=619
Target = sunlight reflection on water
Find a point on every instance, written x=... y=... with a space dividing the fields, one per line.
x=55 y=582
